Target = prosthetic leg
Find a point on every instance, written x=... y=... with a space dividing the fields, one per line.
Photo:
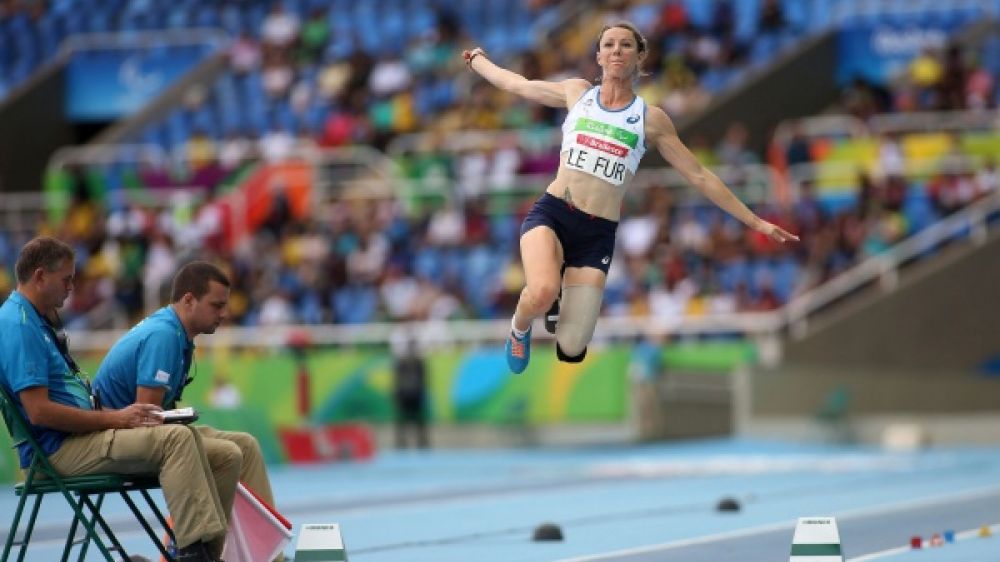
x=581 y=304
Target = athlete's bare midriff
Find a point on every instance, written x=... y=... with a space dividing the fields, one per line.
x=588 y=193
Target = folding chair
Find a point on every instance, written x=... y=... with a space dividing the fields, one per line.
x=85 y=495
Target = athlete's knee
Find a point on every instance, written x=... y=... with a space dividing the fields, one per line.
x=542 y=295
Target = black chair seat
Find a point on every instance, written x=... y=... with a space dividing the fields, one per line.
x=92 y=484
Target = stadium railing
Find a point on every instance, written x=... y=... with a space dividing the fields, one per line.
x=848 y=126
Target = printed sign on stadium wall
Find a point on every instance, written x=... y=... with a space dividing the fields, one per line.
x=878 y=52
x=107 y=84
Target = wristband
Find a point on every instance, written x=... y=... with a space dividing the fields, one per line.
x=472 y=55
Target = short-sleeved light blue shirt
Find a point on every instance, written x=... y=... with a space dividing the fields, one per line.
x=155 y=353
x=30 y=358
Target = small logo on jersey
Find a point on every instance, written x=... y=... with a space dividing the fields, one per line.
x=606 y=260
x=588 y=102
x=632 y=119
x=162 y=376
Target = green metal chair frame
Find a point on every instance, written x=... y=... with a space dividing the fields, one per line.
x=89 y=490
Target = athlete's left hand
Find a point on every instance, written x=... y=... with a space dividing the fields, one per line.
x=776 y=233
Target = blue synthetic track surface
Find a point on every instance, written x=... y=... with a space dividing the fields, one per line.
x=624 y=503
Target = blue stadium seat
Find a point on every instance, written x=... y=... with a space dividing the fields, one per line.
x=797 y=13
x=732 y=274
x=453 y=264
x=427 y=262
x=420 y=21
x=504 y=231
x=699 y=12
x=48 y=35
x=991 y=55
x=715 y=79
x=763 y=48
x=784 y=276
x=207 y=17
x=747 y=14
x=918 y=209
x=355 y=304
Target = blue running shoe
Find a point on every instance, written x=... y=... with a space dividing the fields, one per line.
x=518 y=352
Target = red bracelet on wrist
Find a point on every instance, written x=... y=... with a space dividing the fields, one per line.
x=472 y=55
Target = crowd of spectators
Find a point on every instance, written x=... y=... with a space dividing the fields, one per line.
x=300 y=80
x=377 y=259
x=949 y=79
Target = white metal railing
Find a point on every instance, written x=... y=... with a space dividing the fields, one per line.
x=93 y=154
x=20 y=212
x=753 y=183
x=538 y=138
x=376 y=172
x=846 y=174
x=849 y=126
x=935 y=121
x=368 y=163
x=440 y=333
x=885 y=266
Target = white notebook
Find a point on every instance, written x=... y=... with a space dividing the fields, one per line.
x=179 y=415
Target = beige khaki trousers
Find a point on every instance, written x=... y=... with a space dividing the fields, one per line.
x=253 y=473
x=198 y=479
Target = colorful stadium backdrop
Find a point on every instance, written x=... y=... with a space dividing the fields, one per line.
x=472 y=387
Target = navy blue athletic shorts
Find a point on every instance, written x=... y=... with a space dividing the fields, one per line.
x=587 y=240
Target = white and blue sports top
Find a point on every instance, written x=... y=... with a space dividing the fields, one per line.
x=605 y=143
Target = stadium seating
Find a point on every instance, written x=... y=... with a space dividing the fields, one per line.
x=349 y=261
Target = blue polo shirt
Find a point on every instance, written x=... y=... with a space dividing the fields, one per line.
x=155 y=353
x=30 y=358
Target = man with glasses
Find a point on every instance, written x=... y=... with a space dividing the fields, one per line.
x=79 y=438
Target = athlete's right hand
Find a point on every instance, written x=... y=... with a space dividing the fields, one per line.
x=776 y=233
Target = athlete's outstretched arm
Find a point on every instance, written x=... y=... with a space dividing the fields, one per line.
x=552 y=94
x=661 y=132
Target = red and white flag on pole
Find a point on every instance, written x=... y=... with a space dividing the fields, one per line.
x=257 y=532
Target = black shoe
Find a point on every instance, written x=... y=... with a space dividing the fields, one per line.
x=194 y=553
x=552 y=316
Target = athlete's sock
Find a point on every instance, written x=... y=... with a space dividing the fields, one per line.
x=519 y=334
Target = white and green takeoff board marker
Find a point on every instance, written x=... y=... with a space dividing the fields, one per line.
x=816 y=540
x=320 y=542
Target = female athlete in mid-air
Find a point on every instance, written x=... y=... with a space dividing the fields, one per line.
x=568 y=237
